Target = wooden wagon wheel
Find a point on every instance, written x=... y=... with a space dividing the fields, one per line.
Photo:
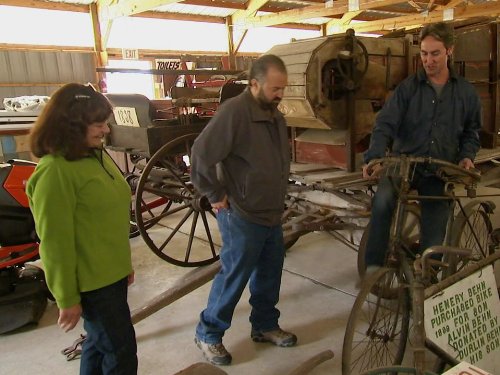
x=170 y=215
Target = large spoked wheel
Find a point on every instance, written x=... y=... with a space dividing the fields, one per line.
x=377 y=329
x=410 y=235
x=170 y=215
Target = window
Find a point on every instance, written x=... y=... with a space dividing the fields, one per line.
x=130 y=83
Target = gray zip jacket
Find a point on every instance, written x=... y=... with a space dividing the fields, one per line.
x=244 y=152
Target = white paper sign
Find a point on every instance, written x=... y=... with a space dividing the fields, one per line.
x=353 y=5
x=464 y=320
x=464 y=368
x=448 y=14
x=126 y=116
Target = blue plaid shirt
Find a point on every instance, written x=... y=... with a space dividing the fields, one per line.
x=419 y=123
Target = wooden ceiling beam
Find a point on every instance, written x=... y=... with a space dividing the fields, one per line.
x=40 y=4
x=216 y=4
x=252 y=7
x=126 y=8
x=338 y=7
x=451 y=4
x=344 y=20
x=181 y=17
x=489 y=9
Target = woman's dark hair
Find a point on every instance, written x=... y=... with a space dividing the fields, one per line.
x=441 y=31
x=61 y=128
x=260 y=66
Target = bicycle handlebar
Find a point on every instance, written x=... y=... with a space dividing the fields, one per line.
x=443 y=172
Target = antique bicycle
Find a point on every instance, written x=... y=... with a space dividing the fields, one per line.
x=423 y=289
x=378 y=325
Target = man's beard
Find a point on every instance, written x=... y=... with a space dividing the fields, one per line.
x=265 y=103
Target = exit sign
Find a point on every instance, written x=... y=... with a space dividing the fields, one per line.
x=130 y=54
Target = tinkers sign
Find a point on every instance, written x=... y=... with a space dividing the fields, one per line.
x=168 y=64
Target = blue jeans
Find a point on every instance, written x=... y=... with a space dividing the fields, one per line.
x=433 y=220
x=249 y=252
x=110 y=346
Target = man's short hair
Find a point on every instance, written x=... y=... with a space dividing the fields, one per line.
x=441 y=31
x=261 y=65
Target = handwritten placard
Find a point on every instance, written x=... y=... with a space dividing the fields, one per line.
x=126 y=116
x=464 y=368
x=464 y=320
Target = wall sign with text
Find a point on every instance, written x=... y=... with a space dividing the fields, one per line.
x=168 y=64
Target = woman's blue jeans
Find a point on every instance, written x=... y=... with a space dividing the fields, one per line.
x=433 y=220
x=110 y=346
x=250 y=252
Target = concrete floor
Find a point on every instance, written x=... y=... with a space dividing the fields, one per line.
x=318 y=290
x=316 y=297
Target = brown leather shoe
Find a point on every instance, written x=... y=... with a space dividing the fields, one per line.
x=277 y=337
x=214 y=353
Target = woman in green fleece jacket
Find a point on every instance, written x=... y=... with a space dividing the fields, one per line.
x=80 y=202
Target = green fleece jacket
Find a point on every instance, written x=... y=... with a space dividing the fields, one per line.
x=81 y=212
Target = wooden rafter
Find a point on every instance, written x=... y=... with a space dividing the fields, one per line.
x=452 y=4
x=129 y=7
x=252 y=7
x=339 y=7
x=40 y=4
x=245 y=18
x=415 y=5
x=344 y=20
x=489 y=9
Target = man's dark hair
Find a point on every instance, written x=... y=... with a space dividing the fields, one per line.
x=260 y=66
x=441 y=31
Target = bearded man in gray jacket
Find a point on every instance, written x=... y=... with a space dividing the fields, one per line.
x=241 y=163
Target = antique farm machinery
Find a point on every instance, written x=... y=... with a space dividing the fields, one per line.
x=335 y=87
x=326 y=76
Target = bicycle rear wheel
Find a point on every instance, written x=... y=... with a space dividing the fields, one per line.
x=377 y=329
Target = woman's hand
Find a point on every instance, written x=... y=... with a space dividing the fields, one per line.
x=131 y=278
x=69 y=317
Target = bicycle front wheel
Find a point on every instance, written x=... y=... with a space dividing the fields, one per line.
x=377 y=329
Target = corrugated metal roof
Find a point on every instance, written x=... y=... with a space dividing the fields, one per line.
x=196 y=10
x=225 y=8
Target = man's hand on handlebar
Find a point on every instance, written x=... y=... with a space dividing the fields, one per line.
x=466 y=163
x=372 y=172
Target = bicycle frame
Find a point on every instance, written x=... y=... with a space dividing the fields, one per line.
x=368 y=328
x=405 y=167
